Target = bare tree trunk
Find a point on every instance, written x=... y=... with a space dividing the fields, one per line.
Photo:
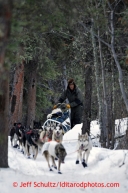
x=4 y=102
x=113 y=107
x=105 y=125
x=5 y=22
x=16 y=100
x=87 y=100
x=31 y=101
x=96 y=75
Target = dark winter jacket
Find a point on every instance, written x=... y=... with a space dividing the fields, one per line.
x=74 y=97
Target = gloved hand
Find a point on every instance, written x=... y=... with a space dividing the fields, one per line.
x=55 y=106
x=68 y=106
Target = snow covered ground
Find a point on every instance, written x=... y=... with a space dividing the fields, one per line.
x=105 y=168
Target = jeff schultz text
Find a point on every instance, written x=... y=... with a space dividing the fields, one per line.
x=66 y=184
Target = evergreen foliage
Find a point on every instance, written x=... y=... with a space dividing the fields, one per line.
x=57 y=35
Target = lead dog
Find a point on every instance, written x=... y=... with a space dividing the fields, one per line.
x=84 y=147
x=54 y=150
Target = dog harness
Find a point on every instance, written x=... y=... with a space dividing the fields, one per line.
x=29 y=132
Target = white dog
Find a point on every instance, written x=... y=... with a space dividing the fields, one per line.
x=84 y=147
x=54 y=150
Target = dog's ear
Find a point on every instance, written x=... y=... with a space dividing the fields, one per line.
x=61 y=126
x=40 y=130
x=54 y=124
x=45 y=128
x=86 y=135
x=42 y=127
x=48 y=124
x=60 y=146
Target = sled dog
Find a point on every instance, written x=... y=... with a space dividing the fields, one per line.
x=54 y=150
x=32 y=138
x=46 y=134
x=58 y=134
x=84 y=147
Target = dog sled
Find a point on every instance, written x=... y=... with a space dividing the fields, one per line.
x=59 y=115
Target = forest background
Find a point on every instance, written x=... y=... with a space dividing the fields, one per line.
x=45 y=42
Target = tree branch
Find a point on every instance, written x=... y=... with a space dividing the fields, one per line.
x=108 y=45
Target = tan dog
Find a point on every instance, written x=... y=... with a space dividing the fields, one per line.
x=46 y=134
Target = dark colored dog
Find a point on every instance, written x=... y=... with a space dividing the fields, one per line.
x=16 y=135
x=32 y=138
x=11 y=134
x=37 y=125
